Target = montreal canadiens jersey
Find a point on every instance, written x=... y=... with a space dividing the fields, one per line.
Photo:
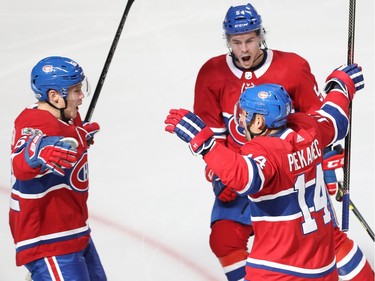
x=283 y=178
x=220 y=83
x=48 y=213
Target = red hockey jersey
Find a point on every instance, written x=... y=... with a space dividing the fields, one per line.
x=282 y=176
x=48 y=213
x=220 y=83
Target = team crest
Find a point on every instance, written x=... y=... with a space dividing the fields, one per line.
x=79 y=178
x=47 y=68
x=263 y=95
x=236 y=131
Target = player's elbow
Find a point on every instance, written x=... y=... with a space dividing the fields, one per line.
x=22 y=171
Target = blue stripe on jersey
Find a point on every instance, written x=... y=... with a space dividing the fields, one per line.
x=256 y=178
x=292 y=270
x=282 y=204
x=352 y=264
x=54 y=238
x=236 y=274
x=342 y=122
x=42 y=183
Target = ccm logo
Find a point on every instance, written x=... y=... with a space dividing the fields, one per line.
x=336 y=163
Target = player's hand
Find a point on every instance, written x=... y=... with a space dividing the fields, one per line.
x=91 y=129
x=222 y=192
x=191 y=129
x=54 y=153
x=348 y=78
x=332 y=160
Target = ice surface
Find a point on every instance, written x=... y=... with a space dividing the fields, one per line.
x=150 y=205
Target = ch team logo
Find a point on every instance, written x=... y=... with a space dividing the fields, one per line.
x=79 y=178
x=263 y=95
x=47 y=68
x=236 y=132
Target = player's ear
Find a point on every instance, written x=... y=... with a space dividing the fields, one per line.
x=259 y=122
x=53 y=95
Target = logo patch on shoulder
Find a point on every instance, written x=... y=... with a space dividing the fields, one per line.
x=31 y=131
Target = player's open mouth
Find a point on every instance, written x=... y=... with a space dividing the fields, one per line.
x=246 y=58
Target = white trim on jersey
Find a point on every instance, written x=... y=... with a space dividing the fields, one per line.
x=42 y=194
x=258 y=73
x=53 y=236
x=279 y=267
x=349 y=259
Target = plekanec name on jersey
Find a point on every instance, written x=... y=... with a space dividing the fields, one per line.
x=304 y=157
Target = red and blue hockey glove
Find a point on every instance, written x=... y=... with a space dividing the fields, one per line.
x=91 y=129
x=222 y=192
x=348 y=78
x=208 y=173
x=54 y=153
x=191 y=129
x=332 y=160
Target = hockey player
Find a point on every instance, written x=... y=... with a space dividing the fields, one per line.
x=280 y=171
x=48 y=212
x=219 y=84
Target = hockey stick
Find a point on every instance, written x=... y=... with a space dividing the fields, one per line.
x=108 y=61
x=346 y=197
x=361 y=219
x=356 y=213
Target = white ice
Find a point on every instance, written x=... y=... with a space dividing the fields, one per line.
x=150 y=204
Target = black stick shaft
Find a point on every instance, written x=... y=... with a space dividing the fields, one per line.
x=362 y=220
x=108 y=61
x=346 y=187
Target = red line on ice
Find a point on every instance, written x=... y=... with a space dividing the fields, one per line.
x=170 y=252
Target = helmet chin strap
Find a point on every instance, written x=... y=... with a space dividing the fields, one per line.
x=252 y=134
x=62 y=113
x=237 y=60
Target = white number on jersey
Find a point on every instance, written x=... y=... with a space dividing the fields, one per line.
x=320 y=200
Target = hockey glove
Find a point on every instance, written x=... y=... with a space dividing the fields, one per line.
x=332 y=160
x=91 y=129
x=222 y=192
x=208 y=174
x=191 y=129
x=54 y=153
x=348 y=78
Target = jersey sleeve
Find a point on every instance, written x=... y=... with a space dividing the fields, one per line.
x=241 y=172
x=20 y=169
x=307 y=97
x=207 y=98
x=333 y=117
x=29 y=123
